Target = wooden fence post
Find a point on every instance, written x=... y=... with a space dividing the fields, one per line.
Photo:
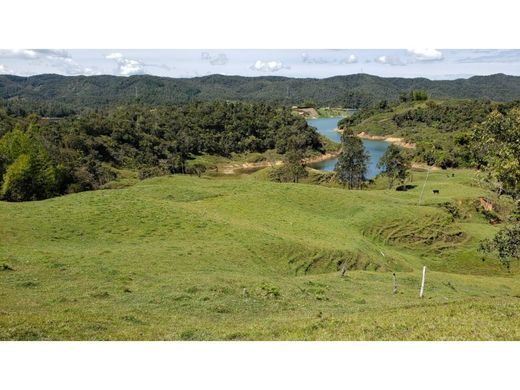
x=421 y=294
x=343 y=269
x=424 y=185
x=394 y=289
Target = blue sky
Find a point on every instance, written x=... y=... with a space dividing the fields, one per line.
x=319 y=63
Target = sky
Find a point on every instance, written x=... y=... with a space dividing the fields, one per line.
x=435 y=64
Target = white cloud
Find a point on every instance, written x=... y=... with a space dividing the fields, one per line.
x=34 y=54
x=389 y=60
x=19 y=53
x=351 y=59
x=268 y=66
x=126 y=66
x=495 y=56
x=114 y=56
x=315 y=60
x=5 y=70
x=70 y=67
x=59 y=59
x=426 y=54
x=306 y=58
x=160 y=66
x=219 y=59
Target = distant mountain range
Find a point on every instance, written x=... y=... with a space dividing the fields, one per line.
x=353 y=91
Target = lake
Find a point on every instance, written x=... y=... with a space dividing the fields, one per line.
x=326 y=126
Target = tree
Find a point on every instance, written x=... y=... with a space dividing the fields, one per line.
x=28 y=178
x=294 y=166
x=352 y=162
x=419 y=95
x=413 y=96
x=496 y=147
x=292 y=169
x=395 y=165
x=309 y=103
x=26 y=170
x=13 y=144
x=506 y=244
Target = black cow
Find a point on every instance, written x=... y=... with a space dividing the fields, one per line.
x=436 y=192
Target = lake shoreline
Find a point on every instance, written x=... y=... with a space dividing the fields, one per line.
x=324 y=157
x=391 y=140
x=230 y=169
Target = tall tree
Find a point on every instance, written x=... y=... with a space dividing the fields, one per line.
x=352 y=164
x=497 y=146
x=395 y=165
x=26 y=170
x=505 y=244
x=293 y=168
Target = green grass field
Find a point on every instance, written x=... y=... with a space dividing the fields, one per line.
x=211 y=258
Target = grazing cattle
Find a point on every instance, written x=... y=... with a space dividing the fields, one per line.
x=436 y=192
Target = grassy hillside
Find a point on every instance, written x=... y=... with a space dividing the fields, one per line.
x=55 y=95
x=241 y=258
x=442 y=130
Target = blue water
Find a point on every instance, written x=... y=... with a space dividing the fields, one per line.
x=375 y=149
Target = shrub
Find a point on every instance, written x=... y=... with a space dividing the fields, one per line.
x=147 y=172
x=196 y=169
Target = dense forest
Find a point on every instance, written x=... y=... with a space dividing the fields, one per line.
x=66 y=134
x=42 y=157
x=54 y=95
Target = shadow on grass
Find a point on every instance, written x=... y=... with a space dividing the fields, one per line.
x=405 y=187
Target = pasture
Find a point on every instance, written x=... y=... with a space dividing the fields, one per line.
x=241 y=258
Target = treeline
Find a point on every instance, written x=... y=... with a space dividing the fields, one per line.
x=56 y=96
x=447 y=117
x=42 y=157
x=443 y=132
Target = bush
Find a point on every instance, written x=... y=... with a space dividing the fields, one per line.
x=147 y=172
x=196 y=169
x=288 y=173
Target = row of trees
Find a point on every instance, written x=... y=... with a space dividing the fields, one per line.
x=352 y=165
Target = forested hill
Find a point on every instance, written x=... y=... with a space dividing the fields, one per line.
x=57 y=92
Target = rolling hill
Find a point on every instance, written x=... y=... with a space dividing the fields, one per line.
x=241 y=258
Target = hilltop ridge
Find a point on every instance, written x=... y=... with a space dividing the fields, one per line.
x=354 y=91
